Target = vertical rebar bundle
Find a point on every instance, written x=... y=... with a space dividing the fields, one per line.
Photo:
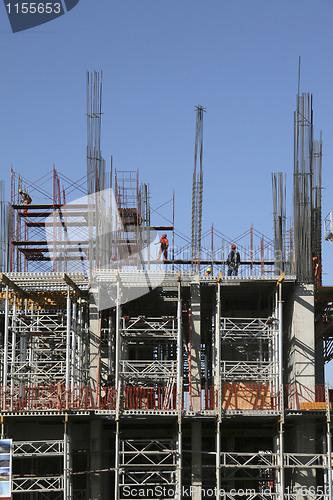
x=95 y=171
x=94 y=123
x=317 y=153
x=197 y=190
x=307 y=189
x=279 y=214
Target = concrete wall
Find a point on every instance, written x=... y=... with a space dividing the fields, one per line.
x=300 y=337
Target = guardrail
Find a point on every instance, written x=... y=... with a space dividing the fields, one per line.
x=229 y=396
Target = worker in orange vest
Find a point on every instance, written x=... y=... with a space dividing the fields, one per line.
x=164 y=247
x=316 y=269
x=25 y=198
x=208 y=272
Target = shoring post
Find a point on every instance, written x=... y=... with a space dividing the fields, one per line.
x=179 y=392
x=217 y=342
x=23 y=346
x=218 y=456
x=281 y=444
x=280 y=313
x=118 y=346
x=11 y=234
x=98 y=374
x=217 y=386
x=116 y=463
x=117 y=386
x=5 y=354
x=68 y=344
x=328 y=443
x=179 y=352
x=189 y=346
x=74 y=331
x=13 y=349
x=85 y=340
x=79 y=343
x=67 y=461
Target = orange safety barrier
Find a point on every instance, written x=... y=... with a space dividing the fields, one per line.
x=209 y=401
x=46 y=397
x=234 y=396
x=149 y=398
x=244 y=396
x=301 y=397
x=239 y=396
x=108 y=398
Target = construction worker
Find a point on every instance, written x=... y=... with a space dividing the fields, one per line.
x=316 y=269
x=108 y=390
x=208 y=272
x=25 y=198
x=164 y=247
x=233 y=261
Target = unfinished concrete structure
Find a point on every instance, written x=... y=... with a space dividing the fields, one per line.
x=124 y=377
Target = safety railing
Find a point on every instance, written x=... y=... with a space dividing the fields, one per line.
x=240 y=396
x=149 y=398
x=43 y=397
x=302 y=397
x=227 y=397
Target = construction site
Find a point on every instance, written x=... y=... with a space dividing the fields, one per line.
x=129 y=371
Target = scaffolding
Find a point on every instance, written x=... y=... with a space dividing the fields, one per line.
x=146 y=354
x=131 y=377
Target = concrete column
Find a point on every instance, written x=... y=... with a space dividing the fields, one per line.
x=196 y=476
x=301 y=340
x=301 y=370
x=96 y=479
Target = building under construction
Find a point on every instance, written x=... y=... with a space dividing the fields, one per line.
x=126 y=376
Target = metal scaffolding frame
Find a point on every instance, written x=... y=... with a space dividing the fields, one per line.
x=138 y=462
x=30 y=450
x=43 y=345
x=148 y=464
x=248 y=352
x=162 y=337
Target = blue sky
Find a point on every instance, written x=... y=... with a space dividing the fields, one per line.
x=239 y=59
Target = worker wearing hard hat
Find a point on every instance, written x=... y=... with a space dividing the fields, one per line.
x=25 y=198
x=164 y=247
x=208 y=272
x=233 y=261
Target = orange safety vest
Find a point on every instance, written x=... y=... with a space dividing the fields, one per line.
x=164 y=242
